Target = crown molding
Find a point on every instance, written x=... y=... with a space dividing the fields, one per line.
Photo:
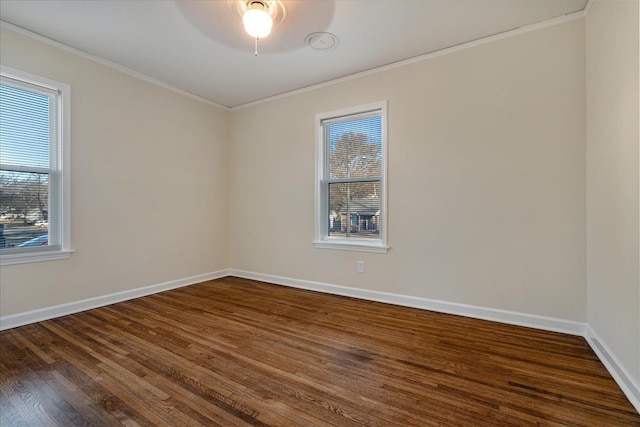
x=107 y=63
x=445 y=51
x=466 y=45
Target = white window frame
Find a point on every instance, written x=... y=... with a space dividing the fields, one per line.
x=322 y=239
x=59 y=173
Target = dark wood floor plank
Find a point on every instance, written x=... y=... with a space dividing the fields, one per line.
x=236 y=352
x=197 y=408
x=184 y=374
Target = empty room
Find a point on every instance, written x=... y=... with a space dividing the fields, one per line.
x=320 y=213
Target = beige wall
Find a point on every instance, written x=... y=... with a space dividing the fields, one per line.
x=489 y=148
x=486 y=179
x=613 y=179
x=149 y=183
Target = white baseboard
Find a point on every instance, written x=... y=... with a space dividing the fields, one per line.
x=15 y=320
x=503 y=316
x=627 y=383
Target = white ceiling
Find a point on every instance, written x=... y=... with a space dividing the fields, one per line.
x=200 y=47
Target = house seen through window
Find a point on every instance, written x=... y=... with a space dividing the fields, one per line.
x=351 y=179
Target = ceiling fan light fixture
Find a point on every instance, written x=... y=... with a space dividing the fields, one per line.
x=258 y=16
x=257 y=19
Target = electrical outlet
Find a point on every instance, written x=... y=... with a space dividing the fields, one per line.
x=360 y=266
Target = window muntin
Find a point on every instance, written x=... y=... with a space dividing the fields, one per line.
x=34 y=176
x=351 y=199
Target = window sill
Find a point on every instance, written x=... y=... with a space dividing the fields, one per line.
x=26 y=257
x=345 y=245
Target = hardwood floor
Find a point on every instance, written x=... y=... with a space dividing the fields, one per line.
x=236 y=352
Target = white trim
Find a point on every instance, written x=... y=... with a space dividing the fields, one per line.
x=587 y=8
x=15 y=320
x=321 y=239
x=24 y=257
x=32 y=79
x=447 y=50
x=621 y=376
x=64 y=164
x=350 y=245
x=627 y=383
x=625 y=380
x=426 y=56
x=497 y=315
x=476 y=312
x=60 y=200
x=107 y=63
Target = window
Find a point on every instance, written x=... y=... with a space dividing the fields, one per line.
x=350 y=179
x=34 y=168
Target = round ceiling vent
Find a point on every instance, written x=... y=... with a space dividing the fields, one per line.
x=322 y=41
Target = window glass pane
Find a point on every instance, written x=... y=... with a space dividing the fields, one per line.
x=24 y=209
x=355 y=148
x=24 y=127
x=354 y=210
